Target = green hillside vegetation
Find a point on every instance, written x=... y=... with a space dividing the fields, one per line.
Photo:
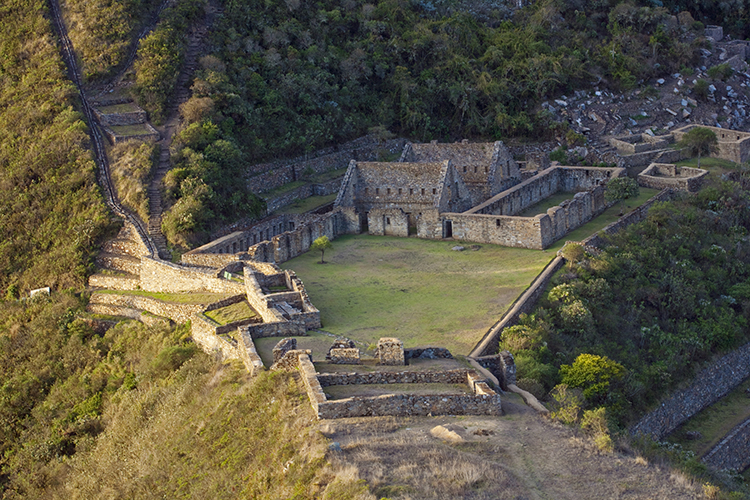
x=103 y=31
x=131 y=170
x=140 y=412
x=665 y=296
x=286 y=78
x=51 y=212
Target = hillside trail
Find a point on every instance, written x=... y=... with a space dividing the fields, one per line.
x=97 y=142
x=171 y=125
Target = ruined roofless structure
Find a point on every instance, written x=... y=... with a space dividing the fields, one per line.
x=487 y=168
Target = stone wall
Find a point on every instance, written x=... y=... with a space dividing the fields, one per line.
x=665 y=175
x=413 y=405
x=458 y=376
x=502 y=366
x=710 y=385
x=390 y=351
x=642 y=159
x=388 y=222
x=267 y=176
x=150 y=134
x=248 y=353
x=129 y=118
x=302 y=192
x=114 y=281
x=275 y=329
x=203 y=332
x=179 y=313
x=523 y=305
x=523 y=232
x=427 y=353
x=732 y=452
x=344 y=356
x=534 y=190
x=161 y=276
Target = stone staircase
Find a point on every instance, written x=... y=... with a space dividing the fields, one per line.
x=182 y=94
x=119 y=262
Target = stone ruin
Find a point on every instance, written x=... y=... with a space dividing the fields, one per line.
x=282 y=347
x=391 y=351
x=343 y=352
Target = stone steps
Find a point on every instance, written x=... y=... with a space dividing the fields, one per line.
x=120 y=281
x=119 y=262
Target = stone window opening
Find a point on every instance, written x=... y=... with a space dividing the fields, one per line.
x=422 y=190
x=388 y=221
x=399 y=190
x=486 y=169
x=388 y=190
x=434 y=191
x=475 y=169
x=497 y=222
x=411 y=190
x=377 y=191
x=366 y=189
x=464 y=168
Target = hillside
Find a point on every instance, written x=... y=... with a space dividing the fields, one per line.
x=92 y=406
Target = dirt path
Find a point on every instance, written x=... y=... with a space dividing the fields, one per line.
x=517 y=456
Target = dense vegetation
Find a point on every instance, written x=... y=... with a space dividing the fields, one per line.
x=131 y=170
x=103 y=31
x=625 y=327
x=51 y=212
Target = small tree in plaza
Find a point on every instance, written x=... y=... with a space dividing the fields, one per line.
x=620 y=188
x=321 y=244
x=700 y=141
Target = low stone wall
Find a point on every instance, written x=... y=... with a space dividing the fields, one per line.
x=300 y=193
x=203 y=332
x=275 y=329
x=502 y=366
x=732 y=452
x=217 y=260
x=130 y=118
x=637 y=215
x=161 y=276
x=524 y=304
x=710 y=385
x=114 y=281
x=648 y=157
x=179 y=313
x=669 y=176
x=152 y=135
x=310 y=380
x=427 y=353
x=248 y=353
x=402 y=405
x=457 y=376
x=267 y=176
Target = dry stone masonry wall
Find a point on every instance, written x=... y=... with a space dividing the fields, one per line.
x=669 y=176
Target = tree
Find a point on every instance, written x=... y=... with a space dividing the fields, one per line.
x=620 y=188
x=593 y=374
x=322 y=244
x=699 y=141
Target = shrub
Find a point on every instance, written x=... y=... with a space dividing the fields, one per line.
x=701 y=89
x=567 y=404
x=559 y=155
x=720 y=71
x=593 y=374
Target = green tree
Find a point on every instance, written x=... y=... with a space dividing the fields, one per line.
x=322 y=244
x=593 y=374
x=621 y=188
x=700 y=141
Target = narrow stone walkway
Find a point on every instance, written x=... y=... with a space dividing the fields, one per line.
x=182 y=94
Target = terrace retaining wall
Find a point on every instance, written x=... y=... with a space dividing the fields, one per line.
x=710 y=385
x=732 y=452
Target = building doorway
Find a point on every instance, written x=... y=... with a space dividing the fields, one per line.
x=448 y=229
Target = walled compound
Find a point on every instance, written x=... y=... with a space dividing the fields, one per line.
x=666 y=175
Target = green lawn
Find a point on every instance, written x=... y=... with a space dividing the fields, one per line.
x=128 y=107
x=128 y=130
x=176 y=298
x=606 y=218
x=715 y=166
x=232 y=313
x=307 y=204
x=715 y=421
x=417 y=290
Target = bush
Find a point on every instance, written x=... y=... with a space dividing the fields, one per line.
x=701 y=89
x=559 y=155
x=720 y=71
x=593 y=374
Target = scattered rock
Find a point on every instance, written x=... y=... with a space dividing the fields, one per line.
x=686 y=113
x=458 y=248
x=660 y=81
x=673 y=113
x=693 y=435
x=335 y=447
x=448 y=432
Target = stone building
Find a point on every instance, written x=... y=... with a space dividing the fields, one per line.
x=486 y=168
x=392 y=197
